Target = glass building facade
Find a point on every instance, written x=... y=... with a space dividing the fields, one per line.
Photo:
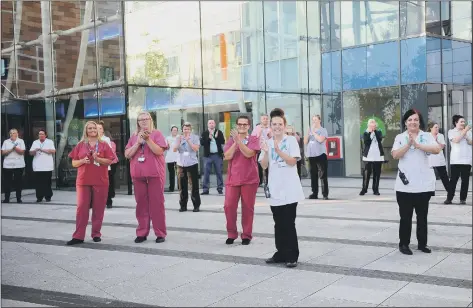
x=64 y=63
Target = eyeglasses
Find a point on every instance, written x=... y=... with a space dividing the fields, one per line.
x=242 y=125
x=144 y=120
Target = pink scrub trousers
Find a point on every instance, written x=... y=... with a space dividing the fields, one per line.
x=247 y=193
x=87 y=194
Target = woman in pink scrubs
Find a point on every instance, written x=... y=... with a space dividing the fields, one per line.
x=91 y=157
x=242 y=180
x=145 y=151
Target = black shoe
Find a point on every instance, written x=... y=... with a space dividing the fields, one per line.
x=160 y=240
x=109 y=206
x=463 y=202
x=48 y=199
x=19 y=201
x=229 y=241
x=140 y=239
x=97 y=239
x=313 y=197
x=39 y=200
x=376 y=193
x=291 y=264
x=205 y=193
x=183 y=209
x=405 y=250
x=272 y=260
x=362 y=193
x=74 y=241
x=325 y=198
x=220 y=192
x=425 y=249
x=447 y=202
x=6 y=201
x=246 y=241
x=195 y=210
x=171 y=189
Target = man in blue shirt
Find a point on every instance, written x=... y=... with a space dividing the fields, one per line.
x=213 y=141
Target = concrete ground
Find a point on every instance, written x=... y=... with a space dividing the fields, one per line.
x=348 y=256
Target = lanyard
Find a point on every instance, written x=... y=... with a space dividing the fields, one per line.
x=142 y=149
x=96 y=147
x=14 y=142
x=274 y=156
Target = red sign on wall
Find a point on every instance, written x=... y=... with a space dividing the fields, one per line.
x=334 y=147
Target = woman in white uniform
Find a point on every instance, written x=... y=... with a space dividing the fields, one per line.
x=373 y=157
x=437 y=161
x=42 y=151
x=171 y=157
x=415 y=181
x=280 y=155
x=13 y=150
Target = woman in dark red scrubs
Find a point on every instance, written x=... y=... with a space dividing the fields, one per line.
x=91 y=157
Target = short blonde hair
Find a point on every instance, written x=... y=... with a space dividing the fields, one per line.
x=13 y=130
x=151 y=126
x=371 y=121
x=85 y=137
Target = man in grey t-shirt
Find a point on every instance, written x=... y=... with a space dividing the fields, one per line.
x=315 y=141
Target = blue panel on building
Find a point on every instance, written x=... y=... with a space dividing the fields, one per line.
x=382 y=63
x=157 y=98
x=91 y=108
x=413 y=60
x=112 y=106
x=456 y=62
x=354 y=68
x=434 y=64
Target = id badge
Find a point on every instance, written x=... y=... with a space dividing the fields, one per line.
x=96 y=163
x=311 y=142
x=141 y=159
x=282 y=164
x=186 y=153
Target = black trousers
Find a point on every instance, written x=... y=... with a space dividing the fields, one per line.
x=408 y=202
x=299 y=168
x=111 y=183
x=285 y=234
x=184 y=173
x=375 y=168
x=443 y=175
x=456 y=172
x=262 y=173
x=43 y=184
x=172 y=175
x=13 y=177
x=318 y=170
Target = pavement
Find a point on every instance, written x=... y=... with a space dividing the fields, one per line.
x=348 y=256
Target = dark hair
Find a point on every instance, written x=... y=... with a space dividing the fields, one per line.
x=277 y=112
x=43 y=130
x=431 y=125
x=186 y=124
x=409 y=113
x=243 y=117
x=174 y=126
x=102 y=123
x=456 y=118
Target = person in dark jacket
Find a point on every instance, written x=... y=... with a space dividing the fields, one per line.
x=373 y=157
x=213 y=141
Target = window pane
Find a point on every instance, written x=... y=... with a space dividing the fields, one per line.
x=414 y=96
x=432 y=17
x=412 y=17
x=336 y=59
x=230 y=47
x=313 y=25
x=154 y=35
x=354 y=68
x=413 y=60
x=434 y=73
x=332 y=113
x=382 y=62
x=456 y=62
x=461 y=20
x=434 y=103
x=291 y=104
x=382 y=20
x=325 y=25
x=358 y=107
x=353 y=23
x=331 y=74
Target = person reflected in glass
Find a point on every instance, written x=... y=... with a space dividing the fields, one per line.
x=213 y=141
x=187 y=145
x=373 y=157
x=460 y=158
x=415 y=180
x=13 y=151
x=280 y=155
x=437 y=161
x=42 y=151
x=91 y=156
x=145 y=150
x=171 y=157
x=316 y=142
x=242 y=180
